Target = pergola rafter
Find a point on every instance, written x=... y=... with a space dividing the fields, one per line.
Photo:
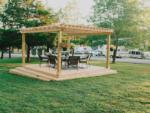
x=63 y=30
x=68 y=29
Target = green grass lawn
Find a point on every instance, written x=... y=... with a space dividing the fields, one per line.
x=125 y=92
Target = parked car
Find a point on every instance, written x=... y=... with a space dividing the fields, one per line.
x=121 y=51
x=136 y=54
x=82 y=49
x=96 y=53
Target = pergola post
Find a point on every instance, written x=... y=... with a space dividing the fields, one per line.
x=68 y=42
x=108 y=52
x=59 y=52
x=23 y=48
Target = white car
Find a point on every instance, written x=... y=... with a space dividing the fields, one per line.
x=96 y=53
x=135 y=54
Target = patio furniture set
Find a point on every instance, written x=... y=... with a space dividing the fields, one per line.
x=67 y=60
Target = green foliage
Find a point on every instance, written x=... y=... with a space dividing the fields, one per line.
x=40 y=39
x=91 y=40
x=97 y=40
x=13 y=14
x=28 y=13
x=24 y=13
x=120 y=15
x=9 y=38
x=144 y=29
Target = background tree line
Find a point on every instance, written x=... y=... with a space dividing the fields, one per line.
x=126 y=18
x=16 y=14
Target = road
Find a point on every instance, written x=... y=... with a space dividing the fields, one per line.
x=127 y=60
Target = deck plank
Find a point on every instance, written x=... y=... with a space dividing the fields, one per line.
x=66 y=74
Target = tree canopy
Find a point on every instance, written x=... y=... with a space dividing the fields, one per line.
x=24 y=13
x=120 y=15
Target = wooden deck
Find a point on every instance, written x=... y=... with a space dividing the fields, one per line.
x=44 y=72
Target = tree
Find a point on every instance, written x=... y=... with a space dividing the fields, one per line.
x=70 y=14
x=145 y=26
x=7 y=43
x=37 y=15
x=120 y=15
x=2 y=2
x=11 y=18
x=92 y=40
x=25 y=13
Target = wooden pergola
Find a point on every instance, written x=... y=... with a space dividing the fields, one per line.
x=69 y=30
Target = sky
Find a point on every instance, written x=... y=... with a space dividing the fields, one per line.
x=85 y=6
x=146 y=3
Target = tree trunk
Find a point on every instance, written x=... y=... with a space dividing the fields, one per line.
x=9 y=52
x=47 y=49
x=28 y=53
x=2 y=54
x=115 y=51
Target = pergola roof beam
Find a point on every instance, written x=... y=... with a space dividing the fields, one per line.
x=70 y=29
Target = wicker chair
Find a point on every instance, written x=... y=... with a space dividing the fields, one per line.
x=86 y=59
x=53 y=60
x=73 y=61
x=43 y=59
